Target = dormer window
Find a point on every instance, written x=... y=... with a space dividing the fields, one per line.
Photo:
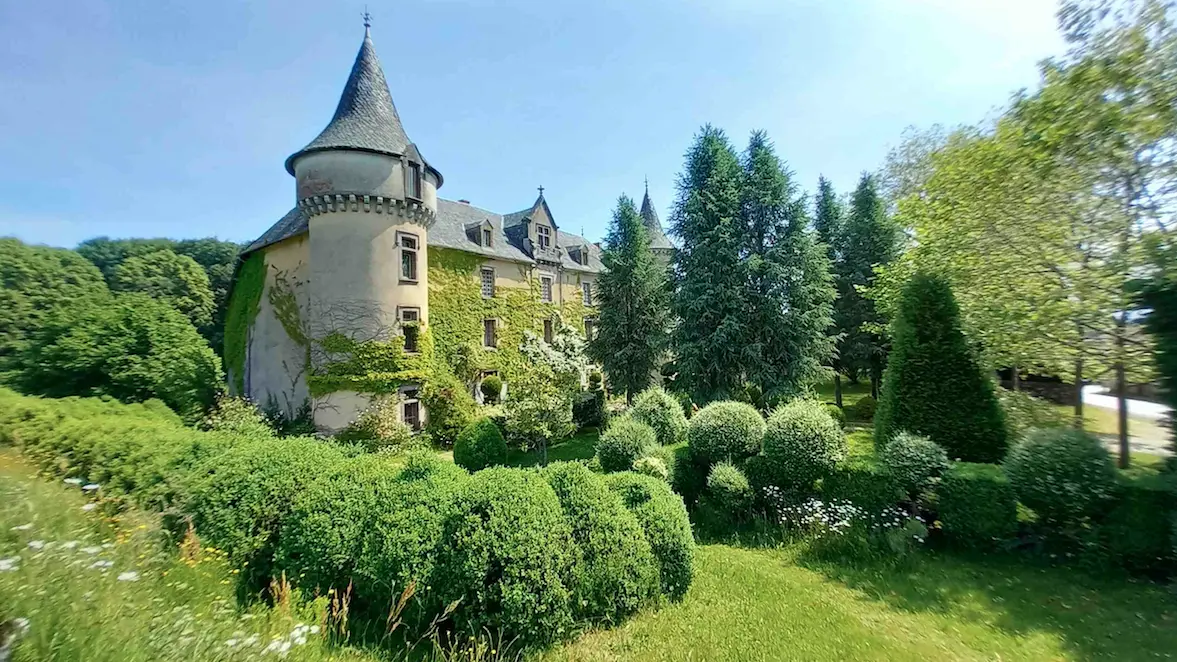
x=487 y=237
x=545 y=237
x=413 y=181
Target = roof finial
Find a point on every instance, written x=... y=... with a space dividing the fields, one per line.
x=647 y=185
x=367 y=19
x=541 y=191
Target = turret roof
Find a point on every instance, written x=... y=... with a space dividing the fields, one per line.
x=658 y=238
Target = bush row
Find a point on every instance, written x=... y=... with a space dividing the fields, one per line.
x=533 y=554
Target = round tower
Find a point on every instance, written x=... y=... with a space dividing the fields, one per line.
x=370 y=198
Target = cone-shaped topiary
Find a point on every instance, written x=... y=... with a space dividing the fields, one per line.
x=934 y=385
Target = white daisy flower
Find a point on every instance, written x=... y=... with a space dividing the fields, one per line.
x=9 y=564
x=37 y=544
x=131 y=576
x=90 y=487
x=90 y=506
x=73 y=481
x=23 y=527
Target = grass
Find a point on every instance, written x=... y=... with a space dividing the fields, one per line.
x=1106 y=421
x=581 y=446
x=850 y=392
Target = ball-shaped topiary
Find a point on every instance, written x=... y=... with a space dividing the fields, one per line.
x=623 y=443
x=934 y=384
x=668 y=529
x=725 y=431
x=863 y=410
x=661 y=411
x=914 y=462
x=1063 y=475
x=836 y=413
x=652 y=466
x=617 y=573
x=480 y=445
x=492 y=389
x=802 y=443
x=729 y=491
x=507 y=554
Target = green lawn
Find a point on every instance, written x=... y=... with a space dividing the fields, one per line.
x=581 y=446
x=850 y=392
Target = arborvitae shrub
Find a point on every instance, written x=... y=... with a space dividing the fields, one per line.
x=1064 y=475
x=914 y=462
x=480 y=445
x=492 y=388
x=802 y=443
x=248 y=492
x=977 y=505
x=623 y=443
x=668 y=529
x=661 y=411
x=934 y=385
x=728 y=491
x=725 y=431
x=617 y=573
x=508 y=555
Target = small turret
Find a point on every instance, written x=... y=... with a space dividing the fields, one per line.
x=659 y=242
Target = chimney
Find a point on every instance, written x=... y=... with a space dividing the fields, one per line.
x=465 y=202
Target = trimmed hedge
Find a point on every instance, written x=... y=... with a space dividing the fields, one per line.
x=801 y=444
x=977 y=505
x=867 y=487
x=725 y=431
x=623 y=443
x=661 y=411
x=668 y=529
x=616 y=574
x=1064 y=475
x=1139 y=531
x=480 y=445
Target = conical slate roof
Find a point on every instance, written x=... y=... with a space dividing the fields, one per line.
x=366 y=118
x=658 y=238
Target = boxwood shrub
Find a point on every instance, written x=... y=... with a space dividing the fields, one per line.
x=866 y=486
x=725 y=430
x=507 y=554
x=617 y=573
x=480 y=445
x=661 y=411
x=728 y=491
x=801 y=444
x=623 y=443
x=1139 y=532
x=914 y=462
x=1064 y=475
x=977 y=506
x=668 y=529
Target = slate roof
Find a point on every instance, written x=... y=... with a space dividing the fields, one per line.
x=452 y=229
x=658 y=238
x=365 y=119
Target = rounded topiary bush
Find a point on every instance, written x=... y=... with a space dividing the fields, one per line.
x=836 y=413
x=623 y=443
x=725 y=431
x=863 y=410
x=617 y=573
x=480 y=445
x=802 y=443
x=247 y=493
x=492 y=389
x=661 y=411
x=914 y=462
x=652 y=466
x=668 y=529
x=507 y=554
x=728 y=490
x=1063 y=475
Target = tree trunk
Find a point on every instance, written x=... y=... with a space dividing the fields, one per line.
x=1017 y=379
x=1079 y=394
x=838 y=390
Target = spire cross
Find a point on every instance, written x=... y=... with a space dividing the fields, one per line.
x=647 y=185
x=367 y=18
x=541 y=190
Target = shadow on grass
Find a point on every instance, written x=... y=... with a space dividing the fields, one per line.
x=581 y=446
x=1093 y=617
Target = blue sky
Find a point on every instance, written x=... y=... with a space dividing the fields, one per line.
x=166 y=118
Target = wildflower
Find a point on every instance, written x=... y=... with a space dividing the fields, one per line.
x=9 y=564
x=73 y=481
x=90 y=487
x=130 y=576
x=102 y=565
x=37 y=544
x=23 y=527
x=70 y=544
x=232 y=643
x=90 y=506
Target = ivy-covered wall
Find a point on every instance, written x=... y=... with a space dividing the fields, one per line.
x=240 y=314
x=457 y=309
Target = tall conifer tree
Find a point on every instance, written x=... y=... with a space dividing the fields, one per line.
x=709 y=275
x=829 y=217
x=869 y=238
x=632 y=299
x=789 y=292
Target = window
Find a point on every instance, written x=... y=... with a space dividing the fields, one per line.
x=411 y=413
x=410 y=327
x=488 y=283
x=590 y=326
x=488 y=333
x=545 y=236
x=548 y=331
x=413 y=183
x=587 y=290
x=487 y=236
x=408 y=247
x=545 y=288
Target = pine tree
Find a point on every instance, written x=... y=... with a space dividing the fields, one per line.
x=934 y=385
x=709 y=275
x=631 y=296
x=828 y=221
x=789 y=292
x=869 y=238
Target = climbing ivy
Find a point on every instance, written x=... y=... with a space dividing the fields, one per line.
x=370 y=366
x=240 y=314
